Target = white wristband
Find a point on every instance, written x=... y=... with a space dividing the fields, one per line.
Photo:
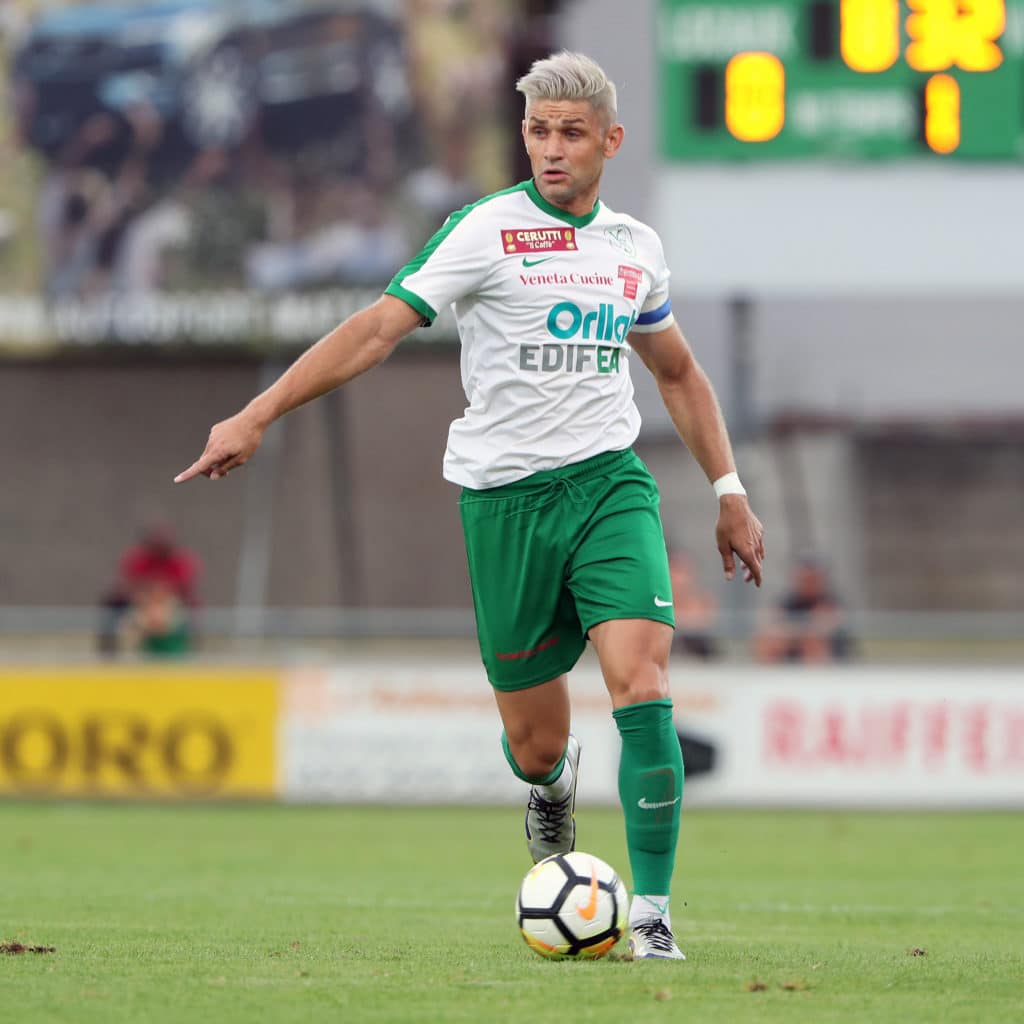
x=728 y=484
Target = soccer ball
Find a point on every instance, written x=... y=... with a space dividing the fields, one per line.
x=572 y=905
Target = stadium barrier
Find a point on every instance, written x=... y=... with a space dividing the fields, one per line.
x=378 y=730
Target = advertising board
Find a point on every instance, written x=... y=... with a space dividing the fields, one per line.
x=372 y=730
x=145 y=733
x=844 y=737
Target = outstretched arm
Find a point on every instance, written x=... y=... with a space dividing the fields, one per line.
x=359 y=343
x=691 y=402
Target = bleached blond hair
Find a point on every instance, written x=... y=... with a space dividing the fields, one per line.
x=570 y=76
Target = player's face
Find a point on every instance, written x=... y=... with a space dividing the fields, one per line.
x=568 y=144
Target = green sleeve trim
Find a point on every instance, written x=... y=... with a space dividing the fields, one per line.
x=424 y=309
x=438 y=237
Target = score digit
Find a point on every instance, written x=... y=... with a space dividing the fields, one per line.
x=981 y=23
x=869 y=34
x=942 y=113
x=948 y=32
x=755 y=96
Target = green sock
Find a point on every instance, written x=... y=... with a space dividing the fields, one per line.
x=651 y=791
x=540 y=780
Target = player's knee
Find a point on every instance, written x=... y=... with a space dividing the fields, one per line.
x=648 y=681
x=538 y=754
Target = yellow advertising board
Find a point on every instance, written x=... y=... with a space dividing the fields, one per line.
x=139 y=731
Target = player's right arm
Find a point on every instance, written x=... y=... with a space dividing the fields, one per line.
x=358 y=344
x=693 y=407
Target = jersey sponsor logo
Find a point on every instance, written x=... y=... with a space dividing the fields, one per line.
x=538 y=240
x=533 y=263
x=632 y=276
x=555 y=277
x=566 y=320
x=621 y=238
x=554 y=358
x=661 y=604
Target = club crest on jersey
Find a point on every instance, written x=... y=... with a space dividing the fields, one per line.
x=538 y=240
x=620 y=237
x=631 y=276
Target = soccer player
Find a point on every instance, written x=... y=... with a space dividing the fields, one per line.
x=552 y=292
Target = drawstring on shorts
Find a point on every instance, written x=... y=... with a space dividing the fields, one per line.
x=559 y=487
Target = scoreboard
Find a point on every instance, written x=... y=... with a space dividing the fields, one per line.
x=846 y=79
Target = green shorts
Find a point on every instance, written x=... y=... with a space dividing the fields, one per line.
x=557 y=553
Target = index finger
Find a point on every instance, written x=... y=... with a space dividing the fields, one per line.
x=200 y=466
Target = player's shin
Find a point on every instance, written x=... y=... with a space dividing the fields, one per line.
x=651 y=791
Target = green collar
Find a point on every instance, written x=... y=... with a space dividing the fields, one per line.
x=559 y=214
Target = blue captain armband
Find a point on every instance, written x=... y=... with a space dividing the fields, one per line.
x=655 y=319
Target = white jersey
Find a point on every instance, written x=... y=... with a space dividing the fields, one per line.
x=544 y=302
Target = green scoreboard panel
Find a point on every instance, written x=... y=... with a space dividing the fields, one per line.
x=848 y=79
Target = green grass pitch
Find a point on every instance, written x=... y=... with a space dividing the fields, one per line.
x=243 y=914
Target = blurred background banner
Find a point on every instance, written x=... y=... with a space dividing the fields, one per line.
x=142 y=733
x=376 y=728
x=370 y=730
x=235 y=171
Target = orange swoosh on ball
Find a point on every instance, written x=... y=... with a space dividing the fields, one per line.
x=589 y=909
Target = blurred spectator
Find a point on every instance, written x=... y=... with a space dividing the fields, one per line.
x=362 y=246
x=696 y=610
x=13 y=20
x=157 y=581
x=8 y=226
x=157 y=623
x=435 y=191
x=95 y=195
x=457 y=55
x=808 y=624
x=533 y=35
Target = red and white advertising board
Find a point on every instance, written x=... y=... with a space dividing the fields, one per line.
x=831 y=736
x=871 y=737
